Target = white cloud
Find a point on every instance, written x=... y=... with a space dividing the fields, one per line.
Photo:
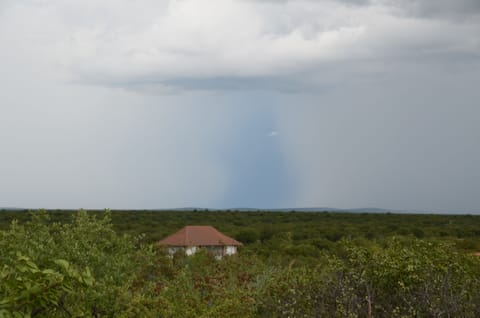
x=176 y=41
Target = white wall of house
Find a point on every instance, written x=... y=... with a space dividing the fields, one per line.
x=188 y=250
x=191 y=250
x=218 y=251
x=173 y=249
x=230 y=250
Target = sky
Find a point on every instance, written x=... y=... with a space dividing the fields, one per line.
x=154 y=104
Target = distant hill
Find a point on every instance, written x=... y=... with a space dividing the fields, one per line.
x=328 y=209
x=10 y=209
x=314 y=209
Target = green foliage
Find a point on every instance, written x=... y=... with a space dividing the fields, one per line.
x=28 y=290
x=248 y=236
x=109 y=261
x=81 y=264
x=404 y=278
x=407 y=278
x=206 y=287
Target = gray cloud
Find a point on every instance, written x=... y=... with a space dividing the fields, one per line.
x=439 y=8
x=154 y=103
x=407 y=141
x=217 y=84
x=277 y=45
x=185 y=45
x=356 y=2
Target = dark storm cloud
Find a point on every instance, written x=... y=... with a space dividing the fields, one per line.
x=357 y=2
x=178 y=85
x=425 y=8
x=456 y=9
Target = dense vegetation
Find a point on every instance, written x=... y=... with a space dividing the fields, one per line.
x=99 y=264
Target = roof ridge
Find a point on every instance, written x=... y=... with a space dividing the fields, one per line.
x=220 y=236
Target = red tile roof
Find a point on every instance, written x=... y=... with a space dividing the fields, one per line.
x=198 y=235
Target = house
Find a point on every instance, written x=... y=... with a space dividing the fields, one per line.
x=191 y=238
